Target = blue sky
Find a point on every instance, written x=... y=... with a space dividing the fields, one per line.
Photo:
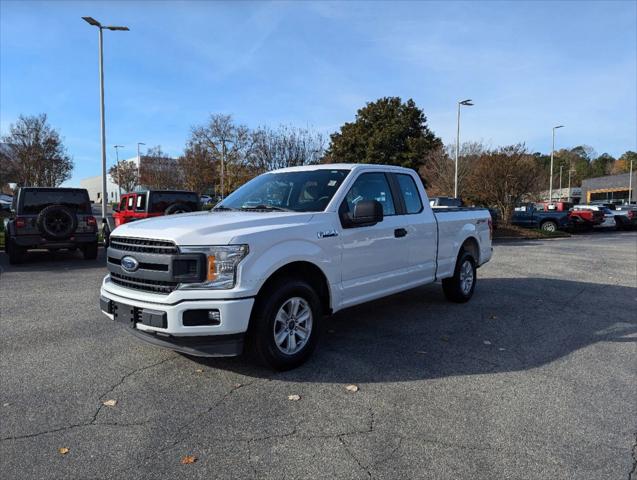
x=527 y=66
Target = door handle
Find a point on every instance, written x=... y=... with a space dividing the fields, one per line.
x=400 y=232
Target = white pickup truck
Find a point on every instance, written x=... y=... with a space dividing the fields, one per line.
x=284 y=250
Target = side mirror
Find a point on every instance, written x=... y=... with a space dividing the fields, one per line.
x=367 y=212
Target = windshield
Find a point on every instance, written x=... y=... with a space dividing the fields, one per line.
x=302 y=191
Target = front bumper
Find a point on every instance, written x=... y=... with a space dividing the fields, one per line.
x=162 y=324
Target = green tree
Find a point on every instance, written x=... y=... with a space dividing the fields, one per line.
x=386 y=131
x=602 y=165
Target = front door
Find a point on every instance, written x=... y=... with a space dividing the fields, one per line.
x=375 y=258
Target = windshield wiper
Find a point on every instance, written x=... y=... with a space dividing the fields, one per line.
x=220 y=208
x=267 y=208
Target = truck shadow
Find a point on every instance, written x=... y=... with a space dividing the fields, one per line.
x=511 y=324
x=45 y=261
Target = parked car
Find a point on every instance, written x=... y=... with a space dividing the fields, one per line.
x=600 y=216
x=445 y=202
x=5 y=202
x=529 y=216
x=209 y=199
x=327 y=237
x=586 y=218
x=150 y=203
x=50 y=218
x=626 y=216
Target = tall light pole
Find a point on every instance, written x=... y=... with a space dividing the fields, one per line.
x=95 y=23
x=551 y=174
x=570 y=170
x=466 y=103
x=139 y=162
x=630 y=182
x=119 y=178
x=561 y=166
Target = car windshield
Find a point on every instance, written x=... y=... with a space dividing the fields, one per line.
x=301 y=191
x=33 y=201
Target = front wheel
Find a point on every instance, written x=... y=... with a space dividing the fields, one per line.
x=286 y=324
x=460 y=287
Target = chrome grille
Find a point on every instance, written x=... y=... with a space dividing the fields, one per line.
x=155 y=286
x=143 y=245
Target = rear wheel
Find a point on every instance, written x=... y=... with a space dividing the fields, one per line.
x=460 y=287
x=549 y=226
x=16 y=253
x=285 y=324
x=177 y=208
x=90 y=251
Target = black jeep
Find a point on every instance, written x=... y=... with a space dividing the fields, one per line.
x=50 y=218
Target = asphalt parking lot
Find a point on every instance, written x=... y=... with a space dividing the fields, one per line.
x=535 y=378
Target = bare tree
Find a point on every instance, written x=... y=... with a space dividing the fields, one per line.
x=158 y=171
x=504 y=177
x=439 y=169
x=35 y=153
x=285 y=147
x=228 y=144
x=125 y=175
x=197 y=167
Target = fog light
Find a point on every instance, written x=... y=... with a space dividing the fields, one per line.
x=197 y=318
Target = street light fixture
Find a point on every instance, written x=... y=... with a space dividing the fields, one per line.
x=466 y=103
x=95 y=23
x=551 y=175
x=139 y=161
x=119 y=178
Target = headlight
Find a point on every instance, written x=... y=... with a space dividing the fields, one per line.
x=221 y=265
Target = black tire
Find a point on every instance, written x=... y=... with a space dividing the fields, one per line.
x=261 y=335
x=56 y=222
x=90 y=251
x=106 y=235
x=177 y=208
x=454 y=288
x=548 y=226
x=16 y=253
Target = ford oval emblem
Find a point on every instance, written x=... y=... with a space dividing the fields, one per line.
x=129 y=264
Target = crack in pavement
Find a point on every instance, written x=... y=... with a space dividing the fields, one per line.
x=93 y=420
x=632 y=475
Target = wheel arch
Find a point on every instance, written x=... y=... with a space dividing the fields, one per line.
x=472 y=246
x=307 y=271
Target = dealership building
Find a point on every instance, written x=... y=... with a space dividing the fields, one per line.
x=143 y=163
x=611 y=188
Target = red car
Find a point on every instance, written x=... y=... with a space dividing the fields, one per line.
x=154 y=203
x=147 y=204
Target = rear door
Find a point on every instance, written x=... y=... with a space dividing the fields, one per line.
x=420 y=228
x=374 y=260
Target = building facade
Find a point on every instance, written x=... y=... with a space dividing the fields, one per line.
x=147 y=168
x=611 y=188
x=94 y=187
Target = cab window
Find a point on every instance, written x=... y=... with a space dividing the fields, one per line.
x=141 y=202
x=370 y=186
x=130 y=202
x=122 y=203
x=409 y=191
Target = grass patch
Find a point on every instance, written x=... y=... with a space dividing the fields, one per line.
x=513 y=231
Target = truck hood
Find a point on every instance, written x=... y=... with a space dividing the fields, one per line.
x=209 y=228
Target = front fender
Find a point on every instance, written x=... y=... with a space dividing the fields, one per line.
x=257 y=269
